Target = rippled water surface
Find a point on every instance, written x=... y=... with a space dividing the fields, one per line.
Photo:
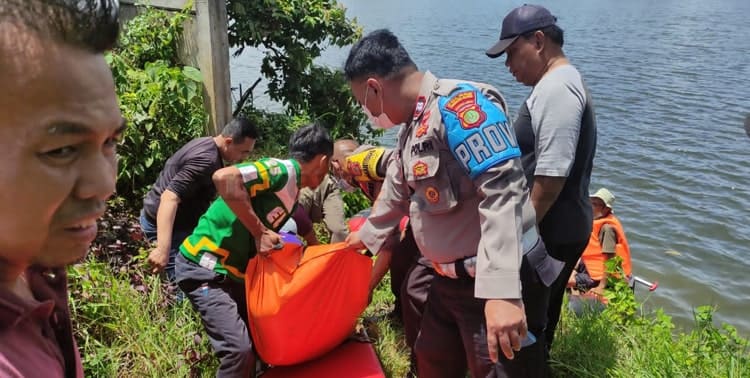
x=671 y=83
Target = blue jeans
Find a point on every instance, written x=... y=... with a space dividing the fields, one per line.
x=178 y=236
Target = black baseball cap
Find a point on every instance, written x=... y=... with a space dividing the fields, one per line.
x=520 y=20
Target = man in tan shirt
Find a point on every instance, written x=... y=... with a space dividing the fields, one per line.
x=324 y=204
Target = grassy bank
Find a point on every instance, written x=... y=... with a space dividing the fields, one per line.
x=128 y=325
x=593 y=346
x=132 y=328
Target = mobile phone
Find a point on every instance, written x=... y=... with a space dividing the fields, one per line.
x=529 y=340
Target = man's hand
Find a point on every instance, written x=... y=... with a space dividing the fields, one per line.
x=158 y=259
x=268 y=242
x=506 y=326
x=352 y=240
x=572 y=279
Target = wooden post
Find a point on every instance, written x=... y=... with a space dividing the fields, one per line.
x=213 y=59
x=205 y=45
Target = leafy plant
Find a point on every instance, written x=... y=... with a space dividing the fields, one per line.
x=622 y=306
x=292 y=34
x=624 y=341
x=275 y=130
x=162 y=101
x=153 y=35
x=128 y=328
x=355 y=202
x=119 y=240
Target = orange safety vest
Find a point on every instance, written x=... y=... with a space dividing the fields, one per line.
x=593 y=257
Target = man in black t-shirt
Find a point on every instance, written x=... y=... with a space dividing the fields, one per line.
x=184 y=189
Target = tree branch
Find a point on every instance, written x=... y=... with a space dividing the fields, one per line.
x=245 y=95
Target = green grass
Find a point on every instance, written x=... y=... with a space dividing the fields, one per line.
x=390 y=344
x=127 y=327
x=594 y=346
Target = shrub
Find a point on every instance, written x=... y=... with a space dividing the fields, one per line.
x=161 y=101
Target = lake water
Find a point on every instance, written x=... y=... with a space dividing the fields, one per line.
x=671 y=84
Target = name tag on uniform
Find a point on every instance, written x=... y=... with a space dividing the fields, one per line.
x=208 y=261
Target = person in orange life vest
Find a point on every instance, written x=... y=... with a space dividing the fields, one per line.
x=607 y=241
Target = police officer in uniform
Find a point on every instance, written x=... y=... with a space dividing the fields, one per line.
x=456 y=172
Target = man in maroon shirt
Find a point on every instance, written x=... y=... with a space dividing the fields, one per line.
x=59 y=127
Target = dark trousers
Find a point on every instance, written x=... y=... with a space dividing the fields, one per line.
x=453 y=334
x=414 y=293
x=584 y=282
x=404 y=256
x=220 y=302
x=568 y=253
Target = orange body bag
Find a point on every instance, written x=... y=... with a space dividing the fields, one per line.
x=303 y=305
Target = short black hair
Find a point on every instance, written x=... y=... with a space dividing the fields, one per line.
x=240 y=128
x=310 y=141
x=378 y=53
x=89 y=24
x=553 y=32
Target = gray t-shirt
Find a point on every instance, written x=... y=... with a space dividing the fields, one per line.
x=556 y=130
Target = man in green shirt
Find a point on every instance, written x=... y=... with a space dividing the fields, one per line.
x=255 y=200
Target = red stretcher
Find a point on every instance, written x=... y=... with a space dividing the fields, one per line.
x=351 y=359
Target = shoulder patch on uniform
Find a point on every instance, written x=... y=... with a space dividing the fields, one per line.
x=424 y=125
x=248 y=171
x=419 y=107
x=477 y=130
x=466 y=108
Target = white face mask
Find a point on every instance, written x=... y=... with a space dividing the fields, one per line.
x=381 y=121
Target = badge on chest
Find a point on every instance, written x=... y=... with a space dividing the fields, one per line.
x=424 y=125
x=422 y=147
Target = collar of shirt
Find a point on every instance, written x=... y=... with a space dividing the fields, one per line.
x=429 y=84
x=48 y=287
x=49 y=312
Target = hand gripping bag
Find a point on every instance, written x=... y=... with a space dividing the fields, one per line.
x=357 y=220
x=303 y=305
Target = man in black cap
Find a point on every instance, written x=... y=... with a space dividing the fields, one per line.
x=556 y=131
